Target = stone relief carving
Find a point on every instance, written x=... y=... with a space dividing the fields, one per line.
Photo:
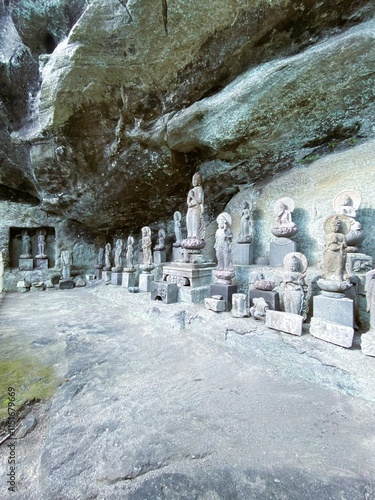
x=284 y=225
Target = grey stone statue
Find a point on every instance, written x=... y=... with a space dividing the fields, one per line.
x=146 y=246
x=66 y=263
x=107 y=257
x=100 y=262
x=161 y=240
x=295 y=265
x=284 y=225
x=223 y=246
x=26 y=245
x=347 y=203
x=194 y=217
x=368 y=338
x=335 y=227
x=245 y=232
x=130 y=254
x=177 y=228
x=41 y=243
x=118 y=255
x=259 y=309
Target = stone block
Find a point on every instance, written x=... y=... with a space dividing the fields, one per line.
x=279 y=248
x=66 y=284
x=38 y=287
x=226 y=291
x=243 y=254
x=193 y=295
x=167 y=292
x=41 y=263
x=336 y=310
x=98 y=273
x=368 y=343
x=285 y=322
x=128 y=279
x=106 y=275
x=25 y=264
x=176 y=255
x=270 y=296
x=145 y=282
x=332 y=332
x=215 y=304
x=160 y=256
x=116 y=278
x=239 y=305
x=90 y=277
x=23 y=286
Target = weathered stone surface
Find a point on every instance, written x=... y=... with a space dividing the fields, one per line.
x=329 y=331
x=334 y=310
x=285 y=322
x=216 y=305
x=368 y=343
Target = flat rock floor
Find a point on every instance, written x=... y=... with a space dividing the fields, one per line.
x=159 y=401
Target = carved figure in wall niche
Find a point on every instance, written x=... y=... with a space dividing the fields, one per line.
x=177 y=228
x=335 y=227
x=107 y=257
x=118 y=254
x=41 y=243
x=26 y=245
x=130 y=254
x=161 y=240
x=66 y=263
x=295 y=265
x=245 y=233
x=146 y=245
x=284 y=225
x=347 y=203
x=194 y=217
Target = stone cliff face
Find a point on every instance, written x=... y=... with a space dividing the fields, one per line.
x=109 y=106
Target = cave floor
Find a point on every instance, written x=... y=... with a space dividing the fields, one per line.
x=155 y=401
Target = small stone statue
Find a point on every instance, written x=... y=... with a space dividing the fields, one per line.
x=295 y=265
x=177 y=228
x=259 y=309
x=66 y=263
x=26 y=245
x=223 y=246
x=335 y=227
x=107 y=257
x=368 y=338
x=118 y=256
x=245 y=235
x=161 y=240
x=146 y=246
x=41 y=243
x=130 y=254
x=194 y=217
x=347 y=203
x=100 y=260
x=284 y=225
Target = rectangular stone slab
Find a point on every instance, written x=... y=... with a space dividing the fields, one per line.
x=334 y=333
x=25 y=264
x=128 y=279
x=285 y=322
x=116 y=278
x=214 y=304
x=335 y=310
x=160 y=256
x=243 y=254
x=42 y=263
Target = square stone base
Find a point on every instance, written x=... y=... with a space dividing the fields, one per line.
x=176 y=254
x=194 y=275
x=98 y=273
x=26 y=264
x=271 y=297
x=106 y=275
x=128 y=279
x=339 y=311
x=285 y=322
x=334 y=333
x=162 y=290
x=160 y=256
x=279 y=248
x=193 y=295
x=243 y=254
x=145 y=282
x=226 y=291
x=42 y=263
x=66 y=284
x=116 y=278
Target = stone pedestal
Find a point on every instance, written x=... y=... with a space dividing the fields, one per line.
x=226 y=291
x=335 y=310
x=42 y=263
x=176 y=254
x=216 y=305
x=106 y=275
x=116 y=278
x=332 y=332
x=25 y=264
x=160 y=256
x=128 y=279
x=285 y=322
x=193 y=279
x=162 y=290
x=243 y=254
x=279 y=248
x=67 y=284
x=145 y=282
x=98 y=271
x=270 y=296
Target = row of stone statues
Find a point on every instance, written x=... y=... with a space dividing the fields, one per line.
x=26 y=244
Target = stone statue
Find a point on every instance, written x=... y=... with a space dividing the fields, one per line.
x=41 y=243
x=177 y=228
x=295 y=265
x=26 y=245
x=130 y=254
x=66 y=263
x=1 y=271
x=245 y=235
x=335 y=228
x=259 y=309
x=161 y=240
x=284 y=225
x=118 y=256
x=347 y=203
x=100 y=262
x=223 y=246
x=146 y=246
x=368 y=338
x=107 y=257
x=194 y=217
